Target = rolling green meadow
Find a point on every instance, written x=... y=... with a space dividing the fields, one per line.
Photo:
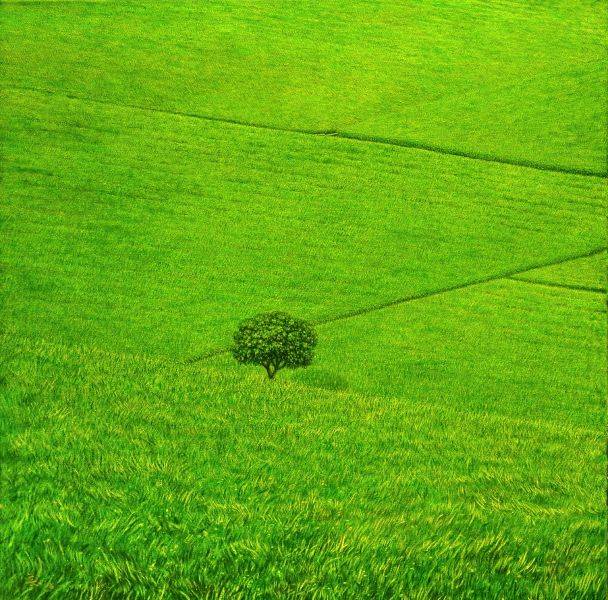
x=425 y=181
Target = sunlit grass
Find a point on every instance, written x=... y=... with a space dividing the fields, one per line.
x=127 y=478
x=177 y=228
x=448 y=446
x=518 y=79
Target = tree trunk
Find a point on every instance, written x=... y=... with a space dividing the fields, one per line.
x=271 y=372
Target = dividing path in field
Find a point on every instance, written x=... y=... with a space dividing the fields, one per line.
x=403 y=143
x=516 y=80
x=177 y=227
x=424 y=180
x=586 y=273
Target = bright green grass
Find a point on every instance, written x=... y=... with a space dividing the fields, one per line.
x=506 y=347
x=587 y=272
x=176 y=228
x=445 y=447
x=517 y=79
x=456 y=451
x=125 y=478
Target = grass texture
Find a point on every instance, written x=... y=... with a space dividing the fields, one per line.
x=518 y=80
x=178 y=228
x=423 y=180
x=585 y=273
x=123 y=477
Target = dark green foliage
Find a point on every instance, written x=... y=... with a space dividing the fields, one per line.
x=275 y=341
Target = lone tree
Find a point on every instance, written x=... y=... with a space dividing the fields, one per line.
x=275 y=341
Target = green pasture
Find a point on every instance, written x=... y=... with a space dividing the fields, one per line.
x=177 y=228
x=423 y=180
x=519 y=79
x=127 y=478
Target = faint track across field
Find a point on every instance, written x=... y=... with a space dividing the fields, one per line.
x=357 y=137
x=564 y=286
x=511 y=275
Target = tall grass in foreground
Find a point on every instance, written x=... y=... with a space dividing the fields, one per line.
x=124 y=478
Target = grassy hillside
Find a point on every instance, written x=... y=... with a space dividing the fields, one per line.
x=176 y=228
x=126 y=478
x=506 y=347
x=423 y=180
x=519 y=80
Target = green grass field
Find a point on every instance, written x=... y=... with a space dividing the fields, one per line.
x=425 y=181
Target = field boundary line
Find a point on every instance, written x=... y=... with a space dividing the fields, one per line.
x=412 y=297
x=510 y=275
x=564 y=286
x=357 y=137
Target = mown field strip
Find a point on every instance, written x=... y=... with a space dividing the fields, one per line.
x=587 y=272
x=504 y=275
x=369 y=139
x=483 y=342
x=413 y=297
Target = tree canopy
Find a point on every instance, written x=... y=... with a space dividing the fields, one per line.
x=274 y=340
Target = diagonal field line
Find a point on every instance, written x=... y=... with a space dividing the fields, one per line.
x=420 y=296
x=365 y=139
x=460 y=286
x=563 y=286
x=368 y=139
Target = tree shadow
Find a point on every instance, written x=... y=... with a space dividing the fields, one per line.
x=321 y=378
